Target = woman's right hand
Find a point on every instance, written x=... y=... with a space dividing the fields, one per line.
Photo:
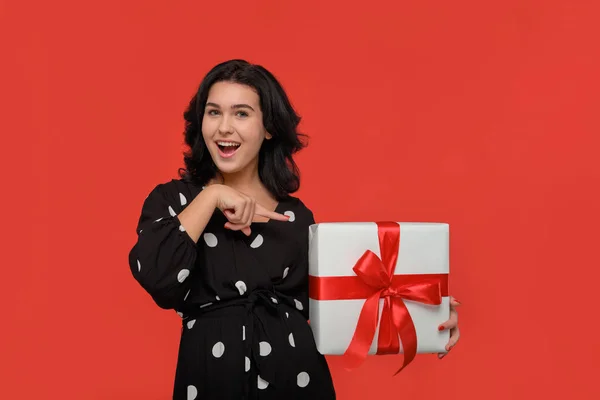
x=240 y=209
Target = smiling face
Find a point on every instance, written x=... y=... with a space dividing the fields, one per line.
x=232 y=127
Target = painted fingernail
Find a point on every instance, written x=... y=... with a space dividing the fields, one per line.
x=441 y=328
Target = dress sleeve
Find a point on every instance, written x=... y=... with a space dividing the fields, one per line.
x=295 y=282
x=164 y=255
x=303 y=296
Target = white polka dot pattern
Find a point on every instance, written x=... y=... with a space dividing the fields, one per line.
x=218 y=350
x=192 y=392
x=172 y=212
x=303 y=379
x=182 y=199
x=262 y=384
x=241 y=286
x=257 y=242
x=191 y=323
x=299 y=305
x=291 y=339
x=182 y=275
x=264 y=348
x=291 y=215
x=210 y=239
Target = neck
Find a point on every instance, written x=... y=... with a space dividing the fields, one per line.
x=245 y=181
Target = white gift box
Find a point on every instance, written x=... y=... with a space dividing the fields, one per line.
x=334 y=249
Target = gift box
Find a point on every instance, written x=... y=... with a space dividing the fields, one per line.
x=378 y=288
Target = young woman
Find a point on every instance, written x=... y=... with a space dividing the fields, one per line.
x=226 y=246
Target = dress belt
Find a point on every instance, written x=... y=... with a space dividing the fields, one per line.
x=258 y=305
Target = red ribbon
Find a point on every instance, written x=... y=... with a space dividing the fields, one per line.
x=375 y=279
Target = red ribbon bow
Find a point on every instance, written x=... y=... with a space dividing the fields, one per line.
x=375 y=279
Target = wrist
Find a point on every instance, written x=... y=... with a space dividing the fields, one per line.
x=211 y=193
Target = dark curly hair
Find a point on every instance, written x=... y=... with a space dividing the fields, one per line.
x=276 y=167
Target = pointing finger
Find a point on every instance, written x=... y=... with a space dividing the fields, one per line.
x=260 y=210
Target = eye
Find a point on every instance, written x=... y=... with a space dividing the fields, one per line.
x=242 y=114
x=212 y=112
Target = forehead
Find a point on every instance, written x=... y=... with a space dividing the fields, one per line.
x=228 y=93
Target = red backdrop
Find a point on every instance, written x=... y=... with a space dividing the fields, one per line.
x=477 y=113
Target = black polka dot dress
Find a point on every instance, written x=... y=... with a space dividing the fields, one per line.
x=243 y=300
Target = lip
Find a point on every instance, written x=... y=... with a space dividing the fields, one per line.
x=229 y=155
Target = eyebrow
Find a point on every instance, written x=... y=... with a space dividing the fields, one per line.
x=234 y=106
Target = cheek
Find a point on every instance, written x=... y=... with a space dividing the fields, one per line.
x=254 y=143
x=206 y=130
x=254 y=135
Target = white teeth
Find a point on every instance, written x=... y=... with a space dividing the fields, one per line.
x=228 y=144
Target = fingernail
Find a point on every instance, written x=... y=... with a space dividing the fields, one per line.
x=441 y=328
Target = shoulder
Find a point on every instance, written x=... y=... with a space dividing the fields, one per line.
x=177 y=191
x=175 y=186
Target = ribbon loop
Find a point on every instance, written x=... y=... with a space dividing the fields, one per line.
x=372 y=271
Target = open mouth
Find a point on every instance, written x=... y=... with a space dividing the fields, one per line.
x=227 y=149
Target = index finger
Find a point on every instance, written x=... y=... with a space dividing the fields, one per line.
x=260 y=210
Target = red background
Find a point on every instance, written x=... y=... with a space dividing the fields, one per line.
x=483 y=114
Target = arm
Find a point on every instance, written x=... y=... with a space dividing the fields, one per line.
x=195 y=217
x=165 y=252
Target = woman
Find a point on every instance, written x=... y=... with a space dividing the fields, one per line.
x=226 y=245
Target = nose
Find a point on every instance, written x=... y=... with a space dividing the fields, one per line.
x=225 y=125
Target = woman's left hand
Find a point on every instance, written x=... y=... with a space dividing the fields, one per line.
x=452 y=324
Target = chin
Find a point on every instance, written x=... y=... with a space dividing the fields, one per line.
x=229 y=167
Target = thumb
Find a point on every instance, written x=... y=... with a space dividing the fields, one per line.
x=235 y=227
x=228 y=213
